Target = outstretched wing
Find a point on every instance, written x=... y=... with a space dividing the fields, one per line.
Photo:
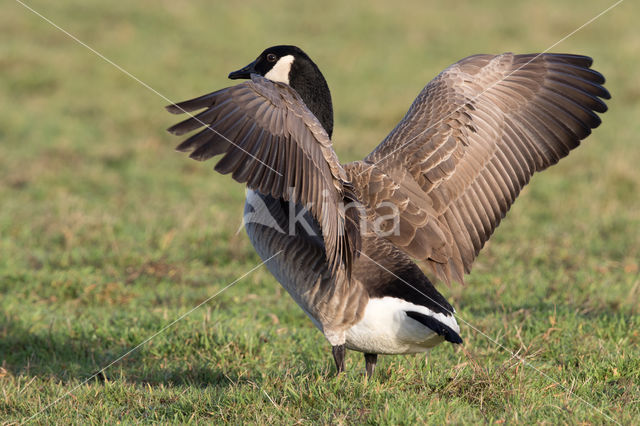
x=271 y=141
x=469 y=143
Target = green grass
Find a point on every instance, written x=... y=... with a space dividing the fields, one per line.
x=107 y=235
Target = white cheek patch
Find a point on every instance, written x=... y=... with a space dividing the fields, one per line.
x=280 y=71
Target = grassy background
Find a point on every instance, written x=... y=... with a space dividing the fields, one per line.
x=107 y=235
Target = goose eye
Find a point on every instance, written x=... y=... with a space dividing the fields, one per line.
x=271 y=57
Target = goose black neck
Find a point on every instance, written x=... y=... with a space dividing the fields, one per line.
x=306 y=79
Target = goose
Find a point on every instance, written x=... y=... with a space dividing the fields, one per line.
x=353 y=243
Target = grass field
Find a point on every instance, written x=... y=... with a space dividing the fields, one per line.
x=107 y=235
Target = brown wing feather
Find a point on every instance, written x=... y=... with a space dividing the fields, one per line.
x=271 y=141
x=471 y=140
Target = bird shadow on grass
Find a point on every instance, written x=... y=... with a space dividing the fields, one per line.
x=68 y=359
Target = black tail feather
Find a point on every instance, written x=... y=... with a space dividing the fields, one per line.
x=443 y=330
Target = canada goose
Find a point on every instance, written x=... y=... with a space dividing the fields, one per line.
x=434 y=189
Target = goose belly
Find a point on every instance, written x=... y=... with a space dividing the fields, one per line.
x=387 y=329
x=267 y=230
x=292 y=282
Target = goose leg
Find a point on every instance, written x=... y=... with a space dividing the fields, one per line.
x=338 y=356
x=370 y=360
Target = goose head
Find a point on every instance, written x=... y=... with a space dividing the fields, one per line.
x=290 y=65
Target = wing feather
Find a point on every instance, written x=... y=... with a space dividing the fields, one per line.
x=471 y=140
x=270 y=140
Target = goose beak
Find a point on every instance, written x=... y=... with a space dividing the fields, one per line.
x=244 y=72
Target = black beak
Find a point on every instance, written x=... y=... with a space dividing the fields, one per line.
x=244 y=72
